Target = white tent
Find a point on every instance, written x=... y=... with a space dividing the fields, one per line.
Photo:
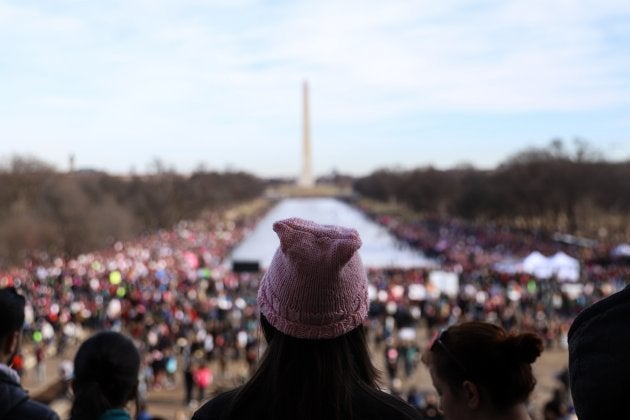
x=565 y=267
x=538 y=265
x=561 y=265
x=621 y=251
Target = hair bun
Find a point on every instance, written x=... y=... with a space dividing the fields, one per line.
x=527 y=347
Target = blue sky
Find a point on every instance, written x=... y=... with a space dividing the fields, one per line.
x=404 y=84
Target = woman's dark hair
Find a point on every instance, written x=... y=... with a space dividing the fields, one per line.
x=488 y=356
x=11 y=312
x=106 y=370
x=306 y=379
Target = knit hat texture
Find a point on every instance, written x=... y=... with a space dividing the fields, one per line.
x=316 y=285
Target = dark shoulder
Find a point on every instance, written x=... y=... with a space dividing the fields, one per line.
x=375 y=404
x=32 y=410
x=216 y=407
x=15 y=404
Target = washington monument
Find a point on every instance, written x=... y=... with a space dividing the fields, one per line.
x=306 y=178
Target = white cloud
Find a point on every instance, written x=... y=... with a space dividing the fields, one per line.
x=523 y=56
x=152 y=69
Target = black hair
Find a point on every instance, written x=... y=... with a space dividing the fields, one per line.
x=106 y=370
x=488 y=356
x=306 y=379
x=11 y=312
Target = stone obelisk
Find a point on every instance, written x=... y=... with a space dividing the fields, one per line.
x=306 y=178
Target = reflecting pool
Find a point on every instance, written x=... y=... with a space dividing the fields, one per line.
x=380 y=248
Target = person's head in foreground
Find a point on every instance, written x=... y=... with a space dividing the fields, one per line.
x=15 y=403
x=106 y=370
x=599 y=359
x=480 y=371
x=11 y=322
x=313 y=301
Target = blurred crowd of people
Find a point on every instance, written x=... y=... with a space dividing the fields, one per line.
x=170 y=291
x=174 y=294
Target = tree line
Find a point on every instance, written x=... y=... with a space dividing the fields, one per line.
x=66 y=213
x=553 y=188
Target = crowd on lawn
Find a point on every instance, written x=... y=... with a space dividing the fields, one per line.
x=173 y=293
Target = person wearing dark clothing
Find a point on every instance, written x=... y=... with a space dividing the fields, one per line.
x=366 y=405
x=599 y=367
x=312 y=301
x=106 y=370
x=188 y=374
x=555 y=408
x=14 y=401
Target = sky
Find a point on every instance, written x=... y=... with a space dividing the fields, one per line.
x=123 y=84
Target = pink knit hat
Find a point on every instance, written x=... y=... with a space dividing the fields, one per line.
x=316 y=286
